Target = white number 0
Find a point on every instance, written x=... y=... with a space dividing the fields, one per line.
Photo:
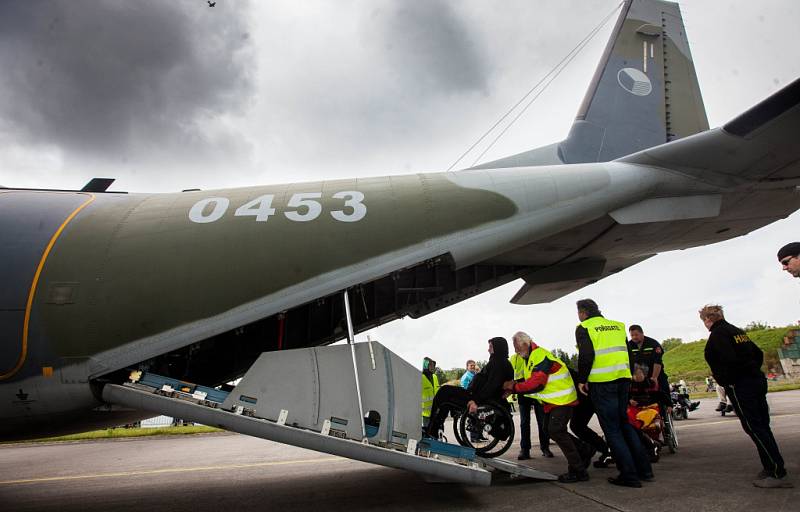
x=220 y=207
x=354 y=202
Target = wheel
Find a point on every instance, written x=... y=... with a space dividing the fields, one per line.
x=457 y=431
x=670 y=436
x=685 y=413
x=495 y=426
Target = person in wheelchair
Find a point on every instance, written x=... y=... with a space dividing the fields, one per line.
x=548 y=380
x=645 y=411
x=486 y=386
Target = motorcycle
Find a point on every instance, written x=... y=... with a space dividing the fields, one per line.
x=681 y=405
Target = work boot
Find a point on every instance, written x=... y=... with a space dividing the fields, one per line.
x=571 y=477
x=547 y=453
x=771 y=482
x=616 y=480
x=721 y=407
x=694 y=405
x=524 y=455
x=604 y=461
x=652 y=453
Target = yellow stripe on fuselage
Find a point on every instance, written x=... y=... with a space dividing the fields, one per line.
x=24 y=352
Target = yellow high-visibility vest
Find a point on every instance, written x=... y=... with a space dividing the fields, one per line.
x=559 y=390
x=610 y=349
x=521 y=371
x=428 y=392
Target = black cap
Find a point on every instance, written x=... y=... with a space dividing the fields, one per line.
x=792 y=249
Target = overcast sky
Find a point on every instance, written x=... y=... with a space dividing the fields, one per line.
x=171 y=95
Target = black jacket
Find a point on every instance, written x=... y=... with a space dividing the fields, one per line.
x=488 y=383
x=731 y=354
x=648 y=355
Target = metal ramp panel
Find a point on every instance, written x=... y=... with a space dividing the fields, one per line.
x=315 y=398
x=516 y=470
x=435 y=469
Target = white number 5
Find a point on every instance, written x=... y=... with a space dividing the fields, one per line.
x=353 y=201
x=304 y=199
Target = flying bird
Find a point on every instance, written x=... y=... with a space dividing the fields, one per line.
x=212 y=4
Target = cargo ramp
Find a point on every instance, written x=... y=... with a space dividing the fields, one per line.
x=358 y=401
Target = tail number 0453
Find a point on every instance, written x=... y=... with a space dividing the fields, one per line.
x=305 y=207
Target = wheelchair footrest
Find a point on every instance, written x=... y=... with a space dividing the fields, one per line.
x=448 y=450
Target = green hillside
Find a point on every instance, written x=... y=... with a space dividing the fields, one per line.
x=686 y=361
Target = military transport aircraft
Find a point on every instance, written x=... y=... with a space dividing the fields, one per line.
x=196 y=285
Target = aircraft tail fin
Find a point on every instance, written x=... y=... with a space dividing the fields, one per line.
x=644 y=92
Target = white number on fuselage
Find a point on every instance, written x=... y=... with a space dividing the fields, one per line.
x=354 y=202
x=306 y=207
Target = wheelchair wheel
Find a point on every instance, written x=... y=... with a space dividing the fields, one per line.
x=670 y=436
x=492 y=427
x=457 y=431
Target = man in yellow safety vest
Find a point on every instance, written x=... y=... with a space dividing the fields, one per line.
x=519 y=361
x=604 y=374
x=547 y=380
x=430 y=385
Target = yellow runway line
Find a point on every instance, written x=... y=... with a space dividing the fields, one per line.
x=171 y=470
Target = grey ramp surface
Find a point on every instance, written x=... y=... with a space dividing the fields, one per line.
x=711 y=472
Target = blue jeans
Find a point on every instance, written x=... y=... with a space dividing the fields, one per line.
x=610 y=400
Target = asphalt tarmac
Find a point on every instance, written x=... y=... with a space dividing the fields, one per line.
x=712 y=470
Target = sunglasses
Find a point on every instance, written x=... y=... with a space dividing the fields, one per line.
x=785 y=261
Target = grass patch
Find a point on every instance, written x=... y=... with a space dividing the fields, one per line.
x=116 y=433
x=687 y=361
x=789 y=386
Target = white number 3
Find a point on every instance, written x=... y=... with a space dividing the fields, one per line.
x=353 y=201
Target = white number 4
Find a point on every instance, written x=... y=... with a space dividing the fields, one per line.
x=260 y=208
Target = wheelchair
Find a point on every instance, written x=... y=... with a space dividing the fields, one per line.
x=658 y=433
x=668 y=430
x=489 y=431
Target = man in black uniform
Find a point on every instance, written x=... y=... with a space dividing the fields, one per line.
x=646 y=353
x=736 y=363
x=789 y=258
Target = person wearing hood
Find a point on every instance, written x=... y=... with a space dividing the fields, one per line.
x=430 y=386
x=487 y=385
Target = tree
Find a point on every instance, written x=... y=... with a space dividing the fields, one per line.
x=570 y=360
x=670 y=343
x=756 y=325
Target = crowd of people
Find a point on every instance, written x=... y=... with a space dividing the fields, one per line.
x=620 y=377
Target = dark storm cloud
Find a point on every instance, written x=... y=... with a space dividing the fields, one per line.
x=432 y=47
x=114 y=79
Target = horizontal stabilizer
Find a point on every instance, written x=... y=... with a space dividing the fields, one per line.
x=759 y=145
